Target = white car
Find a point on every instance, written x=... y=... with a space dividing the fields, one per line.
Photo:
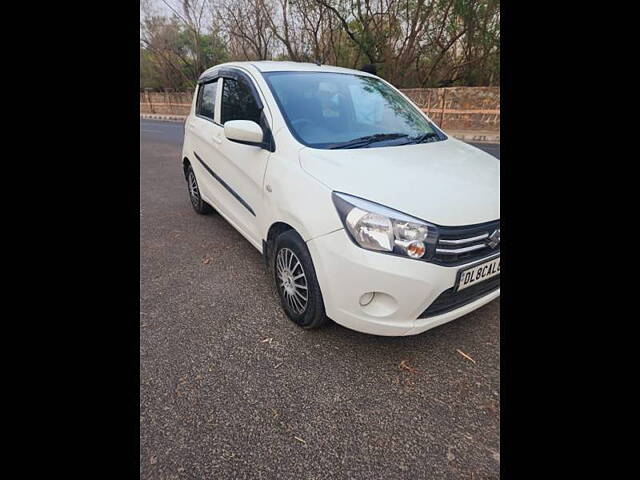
x=368 y=213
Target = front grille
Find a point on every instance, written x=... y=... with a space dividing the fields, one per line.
x=450 y=299
x=459 y=245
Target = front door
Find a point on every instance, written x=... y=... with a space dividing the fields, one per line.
x=241 y=167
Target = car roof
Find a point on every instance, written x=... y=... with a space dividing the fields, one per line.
x=272 y=66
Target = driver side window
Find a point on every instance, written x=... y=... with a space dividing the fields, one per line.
x=238 y=102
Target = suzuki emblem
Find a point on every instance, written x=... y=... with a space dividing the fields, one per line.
x=494 y=239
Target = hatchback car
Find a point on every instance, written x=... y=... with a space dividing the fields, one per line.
x=367 y=212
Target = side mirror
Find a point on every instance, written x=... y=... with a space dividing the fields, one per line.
x=244 y=131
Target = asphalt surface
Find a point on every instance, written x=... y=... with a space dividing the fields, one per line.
x=230 y=388
x=492 y=148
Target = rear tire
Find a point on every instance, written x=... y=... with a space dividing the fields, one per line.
x=296 y=281
x=198 y=204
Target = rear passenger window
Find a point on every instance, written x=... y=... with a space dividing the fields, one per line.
x=206 y=100
x=238 y=103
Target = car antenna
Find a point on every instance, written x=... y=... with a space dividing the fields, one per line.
x=317 y=62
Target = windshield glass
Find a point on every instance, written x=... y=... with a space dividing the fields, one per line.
x=336 y=110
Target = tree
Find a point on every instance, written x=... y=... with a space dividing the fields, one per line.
x=413 y=43
x=179 y=47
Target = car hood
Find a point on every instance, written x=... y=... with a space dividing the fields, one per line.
x=448 y=183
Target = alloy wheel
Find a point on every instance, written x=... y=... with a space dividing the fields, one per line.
x=292 y=281
x=194 y=193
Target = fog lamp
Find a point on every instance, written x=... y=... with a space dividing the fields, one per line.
x=366 y=298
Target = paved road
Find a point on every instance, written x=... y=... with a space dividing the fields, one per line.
x=492 y=148
x=232 y=389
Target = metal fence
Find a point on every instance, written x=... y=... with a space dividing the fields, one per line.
x=464 y=108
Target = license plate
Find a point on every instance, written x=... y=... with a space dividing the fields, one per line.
x=478 y=273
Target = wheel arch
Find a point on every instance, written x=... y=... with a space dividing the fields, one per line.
x=276 y=229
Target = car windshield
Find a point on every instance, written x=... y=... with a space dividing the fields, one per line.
x=337 y=110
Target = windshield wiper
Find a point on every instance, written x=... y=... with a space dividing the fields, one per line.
x=427 y=137
x=368 y=140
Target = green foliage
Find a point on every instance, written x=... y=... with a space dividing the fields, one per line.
x=173 y=56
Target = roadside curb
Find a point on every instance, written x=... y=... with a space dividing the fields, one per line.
x=476 y=137
x=169 y=118
x=465 y=136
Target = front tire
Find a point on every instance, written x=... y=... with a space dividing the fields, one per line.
x=198 y=204
x=296 y=282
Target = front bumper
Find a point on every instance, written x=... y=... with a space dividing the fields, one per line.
x=404 y=288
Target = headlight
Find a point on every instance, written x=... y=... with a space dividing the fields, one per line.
x=375 y=227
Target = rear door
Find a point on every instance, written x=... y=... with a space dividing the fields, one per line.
x=203 y=132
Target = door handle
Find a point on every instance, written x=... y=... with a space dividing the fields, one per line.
x=217 y=139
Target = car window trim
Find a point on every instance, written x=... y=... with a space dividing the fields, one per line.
x=240 y=75
x=233 y=74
